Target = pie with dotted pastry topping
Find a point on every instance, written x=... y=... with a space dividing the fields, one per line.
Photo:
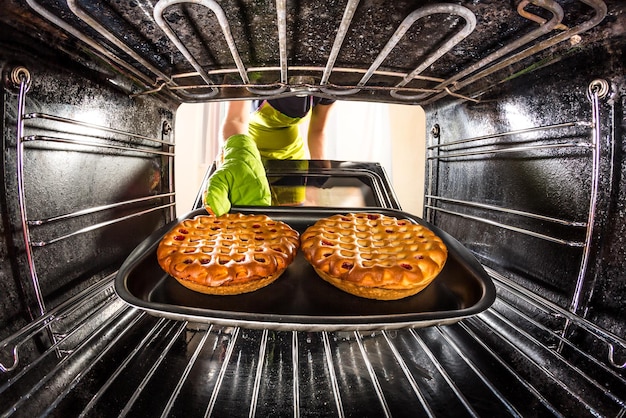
x=227 y=255
x=373 y=255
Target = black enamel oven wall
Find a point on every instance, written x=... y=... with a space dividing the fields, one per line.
x=477 y=185
x=90 y=194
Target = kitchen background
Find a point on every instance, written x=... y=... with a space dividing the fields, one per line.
x=390 y=134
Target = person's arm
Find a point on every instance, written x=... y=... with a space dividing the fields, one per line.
x=317 y=130
x=236 y=121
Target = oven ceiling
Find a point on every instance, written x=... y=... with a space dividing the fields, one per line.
x=413 y=52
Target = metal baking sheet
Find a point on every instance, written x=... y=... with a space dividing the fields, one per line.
x=300 y=299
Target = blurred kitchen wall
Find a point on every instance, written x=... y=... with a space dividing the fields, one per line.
x=407 y=126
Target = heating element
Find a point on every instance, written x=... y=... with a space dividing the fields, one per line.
x=187 y=78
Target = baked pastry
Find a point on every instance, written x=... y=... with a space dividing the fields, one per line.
x=229 y=254
x=373 y=255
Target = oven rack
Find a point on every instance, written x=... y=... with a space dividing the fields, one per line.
x=505 y=360
x=38 y=129
x=397 y=86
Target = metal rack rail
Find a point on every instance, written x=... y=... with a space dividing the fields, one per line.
x=92 y=138
x=461 y=148
x=535 y=329
x=154 y=79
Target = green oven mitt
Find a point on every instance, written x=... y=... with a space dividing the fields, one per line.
x=240 y=180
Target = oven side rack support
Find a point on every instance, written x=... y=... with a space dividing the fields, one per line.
x=24 y=86
x=14 y=342
x=597 y=90
x=19 y=78
x=436 y=154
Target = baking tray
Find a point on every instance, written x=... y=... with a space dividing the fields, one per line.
x=299 y=299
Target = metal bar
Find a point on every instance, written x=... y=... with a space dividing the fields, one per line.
x=24 y=85
x=459 y=96
x=429 y=190
x=509 y=407
x=401 y=31
x=185 y=374
x=443 y=373
x=584 y=145
x=562 y=341
x=95 y=25
x=160 y=7
x=97 y=209
x=433 y=178
x=308 y=68
x=138 y=76
x=152 y=370
x=470 y=25
x=611 y=356
x=309 y=86
x=41 y=383
x=557 y=16
x=54 y=348
x=222 y=373
x=99 y=225
x=511 y=211
x=281 y=21
x=372 y=374
x=530 y=16
x=32 y=138
x=508 y=368
x=82 y=15
x=409 y=376
x=147 y=340
x=544 y=369
x=416 y=15
x=77 y=378
x=67 y=307
x=258 y=375
x=171 y=186
x=54 y=118
x=599 y=7
x=511 y=228
x=296 y=379
x=348 y=14
x=21 y=196
x=333 y=377
x=515 y=132
x=609 y=338
x=593 y=199
x=108 y=300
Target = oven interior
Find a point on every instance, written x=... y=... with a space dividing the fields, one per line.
x=525 y=167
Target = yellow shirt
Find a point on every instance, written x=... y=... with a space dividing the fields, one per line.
x=277 y=136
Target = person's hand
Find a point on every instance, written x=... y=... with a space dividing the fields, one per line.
x=240 y=180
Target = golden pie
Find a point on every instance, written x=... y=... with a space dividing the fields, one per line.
x=373 y=255
x=227 y=255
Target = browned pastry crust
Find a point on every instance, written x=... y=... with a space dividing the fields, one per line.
x=373 y=255
x=227 y=255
